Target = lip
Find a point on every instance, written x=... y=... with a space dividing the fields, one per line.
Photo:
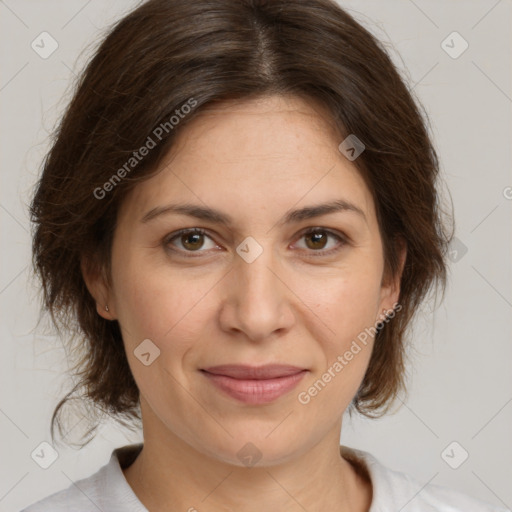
x=255 y=384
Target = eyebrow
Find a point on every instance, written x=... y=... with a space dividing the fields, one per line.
x=218 y=217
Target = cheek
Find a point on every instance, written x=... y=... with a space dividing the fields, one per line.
x=161 y=305
x=346 y=302
x=348 y=307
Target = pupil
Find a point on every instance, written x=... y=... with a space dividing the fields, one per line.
x=317 y=238
x=189 y=236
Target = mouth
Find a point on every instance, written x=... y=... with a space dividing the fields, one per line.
x=254 y=384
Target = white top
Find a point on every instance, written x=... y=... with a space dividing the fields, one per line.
x=107 y=490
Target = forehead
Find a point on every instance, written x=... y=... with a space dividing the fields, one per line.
x=256 y=156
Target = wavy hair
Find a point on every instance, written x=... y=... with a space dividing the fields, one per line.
x=151 y=63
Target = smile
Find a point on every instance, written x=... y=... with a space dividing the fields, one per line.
x=255 y=385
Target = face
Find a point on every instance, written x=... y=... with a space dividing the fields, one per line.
x=263 y=287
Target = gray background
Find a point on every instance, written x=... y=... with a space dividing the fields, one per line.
x=461 y=379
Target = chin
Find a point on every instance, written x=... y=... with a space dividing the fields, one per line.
x=255 y=447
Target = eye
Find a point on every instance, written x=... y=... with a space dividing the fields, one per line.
x=191 y=240
x=318 y=238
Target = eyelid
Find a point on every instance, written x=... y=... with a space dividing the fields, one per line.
x=341 y=237
x=176 y=234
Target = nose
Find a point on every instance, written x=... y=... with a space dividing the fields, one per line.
x=257 y=302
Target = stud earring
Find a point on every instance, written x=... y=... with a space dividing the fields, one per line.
x=106 y=308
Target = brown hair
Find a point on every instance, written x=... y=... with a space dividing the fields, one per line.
x=155 y=60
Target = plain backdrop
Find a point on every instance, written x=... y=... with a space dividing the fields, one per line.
x=460 y=385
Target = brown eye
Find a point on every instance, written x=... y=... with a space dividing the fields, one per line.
x=192 y=241
x=189 y=240
x=317 y=240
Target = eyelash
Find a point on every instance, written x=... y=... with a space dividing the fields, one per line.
x=199 y=231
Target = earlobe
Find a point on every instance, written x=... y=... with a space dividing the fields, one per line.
x=95 y=282
x=391 y=290
x=104 y=311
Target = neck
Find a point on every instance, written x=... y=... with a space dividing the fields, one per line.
x=170 y=475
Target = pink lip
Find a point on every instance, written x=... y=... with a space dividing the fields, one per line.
x=255 y=384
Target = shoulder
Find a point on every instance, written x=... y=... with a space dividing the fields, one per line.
x=79 y=496
x=106 y=489
x=396 y=490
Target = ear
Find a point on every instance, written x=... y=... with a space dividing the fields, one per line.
x=97 y=283
x=390 y=287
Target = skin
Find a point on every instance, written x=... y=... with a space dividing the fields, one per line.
x=254 y=160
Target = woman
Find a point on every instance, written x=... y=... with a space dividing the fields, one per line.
x=240 y=212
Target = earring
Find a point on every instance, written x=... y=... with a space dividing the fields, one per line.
x=106 y=308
